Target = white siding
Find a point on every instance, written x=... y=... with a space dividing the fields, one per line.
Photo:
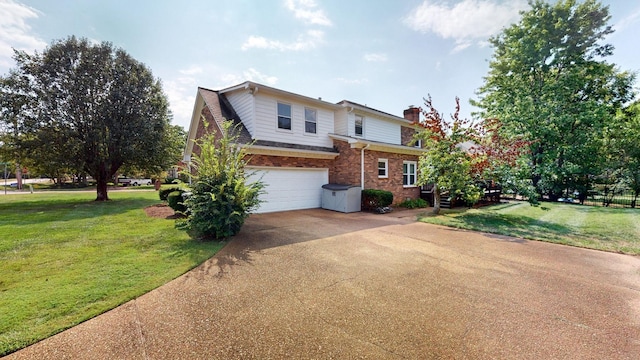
x=266 y=122
x=242 y=102
x=341 y=122
x=377 y=129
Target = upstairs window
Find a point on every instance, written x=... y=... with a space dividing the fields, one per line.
x=359 y=125
x=383 y=168
x=310 y=121
x=418 y=143
x=284 y=116
x=409 y=173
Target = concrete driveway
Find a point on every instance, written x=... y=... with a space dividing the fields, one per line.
x=316 y=284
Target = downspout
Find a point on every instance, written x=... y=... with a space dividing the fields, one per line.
x=362 y=166
x=187 y=159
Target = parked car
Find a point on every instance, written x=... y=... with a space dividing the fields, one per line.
x=125 y=181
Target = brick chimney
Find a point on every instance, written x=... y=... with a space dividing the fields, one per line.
x=412 y=114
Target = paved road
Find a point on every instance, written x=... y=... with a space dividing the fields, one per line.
x=319 y=285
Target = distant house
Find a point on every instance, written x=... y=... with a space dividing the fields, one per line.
x=302 y=143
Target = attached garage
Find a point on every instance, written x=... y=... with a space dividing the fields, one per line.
x=290 y=188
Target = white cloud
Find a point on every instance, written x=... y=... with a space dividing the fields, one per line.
x=375 y=57
x=352 y=81
x=180 y=92
x=628 y=20
x=254 y=75
x=306 y=41
x=307 y=10
x=14 y=30
x=466 y=21
x=461 y=45
x=250 y=74
x=193 y=70
x=229 y=80
x=304 y=10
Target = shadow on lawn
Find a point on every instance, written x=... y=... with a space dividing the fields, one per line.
x=28 y=211
x=513 y=225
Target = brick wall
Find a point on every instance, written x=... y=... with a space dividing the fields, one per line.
x=346 y=170
x=412 y=114
x=346 y=166
x=285 y=161
x=406 y=134
x=202 y=131
x=393 y=182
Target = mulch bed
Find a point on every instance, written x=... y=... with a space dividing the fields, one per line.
x=161 y=211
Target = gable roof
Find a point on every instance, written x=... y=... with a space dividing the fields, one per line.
x=255 y=87
x=221 y=109
x=354 y=105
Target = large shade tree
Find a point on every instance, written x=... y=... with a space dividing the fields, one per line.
x=549 y=81
x=622 y=149
x=88 y=107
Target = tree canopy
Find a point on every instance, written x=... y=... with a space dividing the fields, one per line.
x=549 y=82
x=445 y=164
x=622 y=151
x=86 y=107
x=462 y=153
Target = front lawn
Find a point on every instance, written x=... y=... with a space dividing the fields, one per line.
x=65 y=258
x=609 y=229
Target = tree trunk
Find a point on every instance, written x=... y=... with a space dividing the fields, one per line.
x=436 y=199
x=101 y=184
x=19 y=176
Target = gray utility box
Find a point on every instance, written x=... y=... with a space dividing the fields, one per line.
x=343 y=198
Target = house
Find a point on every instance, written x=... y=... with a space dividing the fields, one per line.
x=301 y=143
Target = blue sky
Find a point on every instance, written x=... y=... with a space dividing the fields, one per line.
x=384 y=54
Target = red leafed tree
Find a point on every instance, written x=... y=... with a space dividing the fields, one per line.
x=495 y=149
x=461 y=152
x=445 y=163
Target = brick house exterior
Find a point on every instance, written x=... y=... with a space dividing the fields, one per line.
x=344 y=143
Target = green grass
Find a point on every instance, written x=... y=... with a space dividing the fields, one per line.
x=65 y=258
x=609 y=229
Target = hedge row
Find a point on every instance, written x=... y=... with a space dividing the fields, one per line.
x=373 y=199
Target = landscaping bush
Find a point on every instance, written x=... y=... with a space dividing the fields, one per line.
x=414 y=203
x=175 y=201
x=221 y=198
x=164 y=192
x=373 y=199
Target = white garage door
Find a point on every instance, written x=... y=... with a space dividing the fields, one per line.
x=290 y=189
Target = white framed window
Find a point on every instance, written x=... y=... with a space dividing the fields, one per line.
x=383 y=168
x=310 y=121
x=284 y=116
x=409 y=173
x=359 y=125
x=418 y=143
